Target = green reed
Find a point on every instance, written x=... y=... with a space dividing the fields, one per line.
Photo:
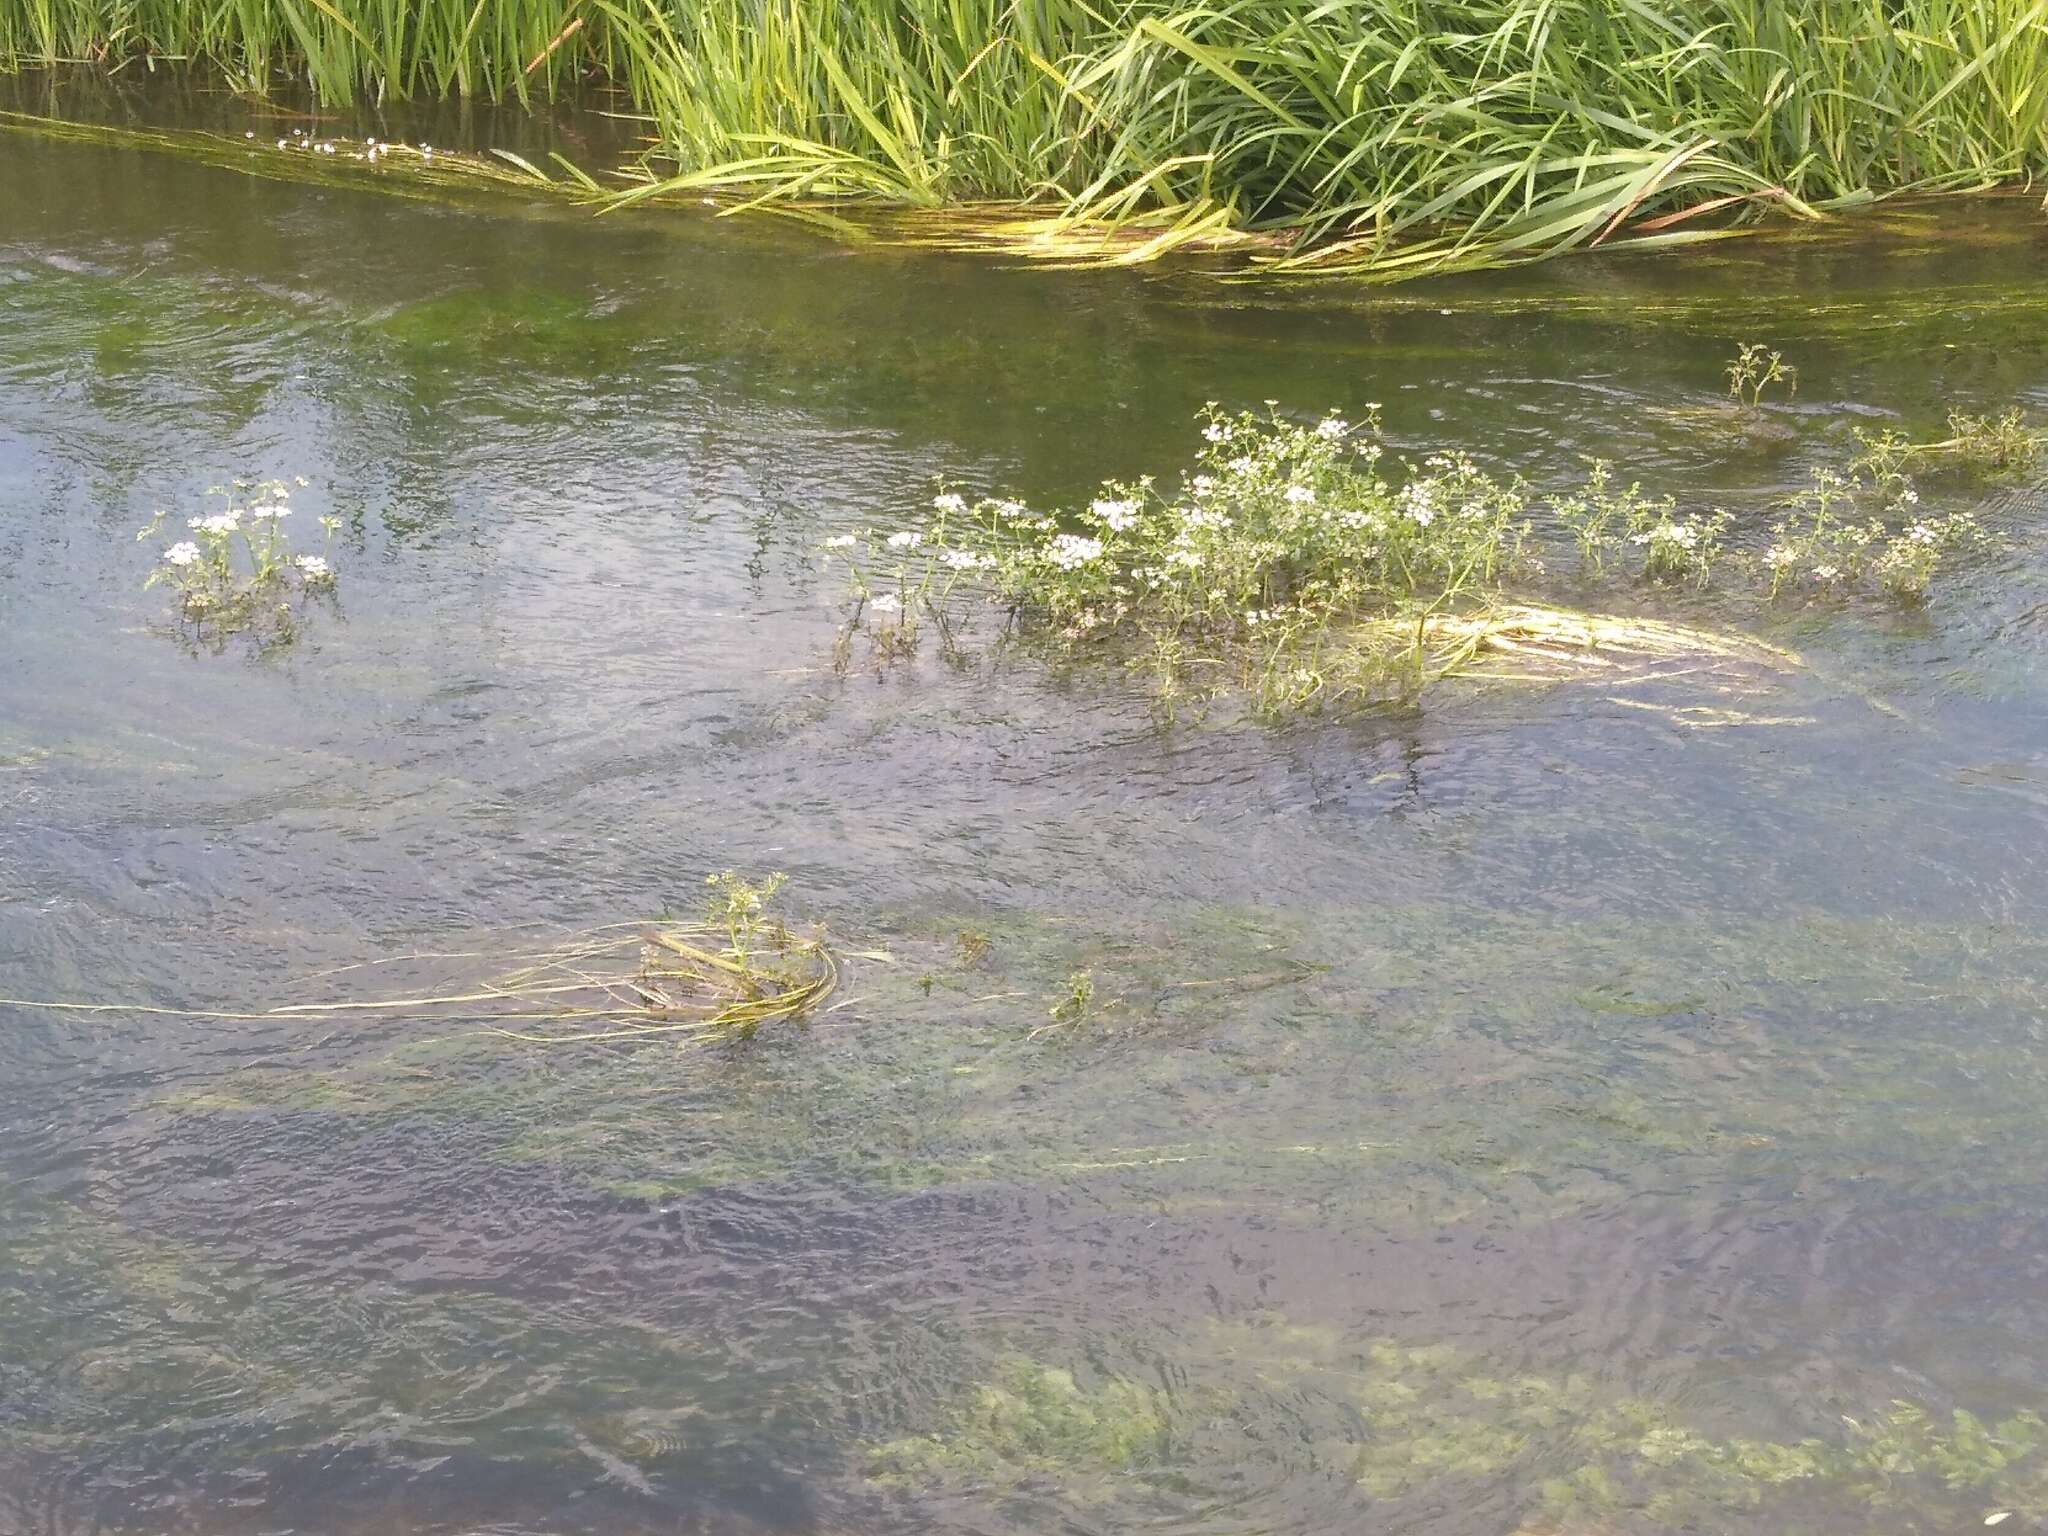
x=1382 y=137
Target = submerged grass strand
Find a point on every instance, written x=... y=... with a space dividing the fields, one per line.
x=734 y=976
x=1384 y=140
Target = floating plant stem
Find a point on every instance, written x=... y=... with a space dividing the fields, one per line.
x=689 y=983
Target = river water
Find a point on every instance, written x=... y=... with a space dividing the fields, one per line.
x=1528 y=1112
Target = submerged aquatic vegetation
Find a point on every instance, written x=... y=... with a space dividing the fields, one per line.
x=1298 y=567
x=1074 y=1001
x=409 y=170
x=681 y=983
x=1403 y=139
x=1033 y=1419
x=235 y=572
x=1399 y=1421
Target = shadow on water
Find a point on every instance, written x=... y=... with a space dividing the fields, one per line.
x=1525 y=1113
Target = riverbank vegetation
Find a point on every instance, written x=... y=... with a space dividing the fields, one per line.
x=1386 y=138
x=1299 y=566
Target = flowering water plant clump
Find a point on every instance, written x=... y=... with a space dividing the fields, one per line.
x=1607 y=522
x=234 y=570
x=1289 y=561
x=1859 y=529
x=1299 y=565
x=1835 y=543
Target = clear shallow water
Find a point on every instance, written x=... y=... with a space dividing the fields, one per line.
x=1578 y=1081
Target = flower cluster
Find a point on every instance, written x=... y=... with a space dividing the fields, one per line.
x=237 y=572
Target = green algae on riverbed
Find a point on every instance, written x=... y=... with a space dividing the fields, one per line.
x=1431 y=1422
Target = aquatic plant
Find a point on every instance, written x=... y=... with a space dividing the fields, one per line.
x=236 y=572
x=1410 y=138
x=1406 y=1420
x=1290 y=565
x=685 y=983
x=1824 y=550
x=1605 y=521
x=1266 y=559
x=2001 y=442
x=1988 y=443
x=1854 y=528
x=1033 y=1418
x=1754 y=369
x=1074 y=1002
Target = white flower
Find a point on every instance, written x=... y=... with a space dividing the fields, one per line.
x=1216 y=431
x=1418 y=503
x=950 y=502
x=968 y=560
x=1332 y=427
x=185 y=552
x=229 y=521
x=1909 y=497
x=841 y=541
x=313 y=567
x=1203 y=485
x=1684 y=535
x=886 y=602
x=1777 y=557
x=1921 y=533
x=905 y=540
x=1119 y=515
x=1300 y=495
x=1241 y=465
x=1070 y=551
x=1825 y=573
